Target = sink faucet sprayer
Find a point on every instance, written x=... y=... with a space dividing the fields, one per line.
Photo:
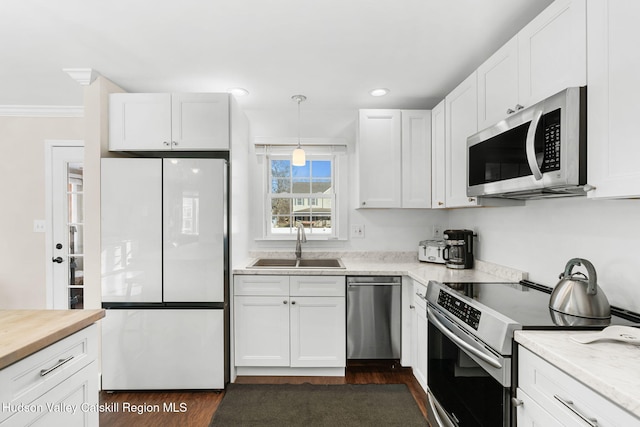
x=299 y=239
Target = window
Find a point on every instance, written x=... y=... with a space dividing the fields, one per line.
x=301 y=194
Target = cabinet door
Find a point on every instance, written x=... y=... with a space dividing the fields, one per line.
x=461 y=117
x=261 y=331
x=553 y=51
x=438 y=156
x=318 y=332
x=131 y=211
x=531 y=414
x=498 y=85
x=194 y=207
x=139 y=121
x=613 y=108
x=416 y=158
x=380 y=159
x=79 y=391
x=420 y=364
x=200 y=121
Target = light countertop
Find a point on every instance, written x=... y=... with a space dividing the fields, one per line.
x=611 y=368
x=395 y=264
x=24 y=332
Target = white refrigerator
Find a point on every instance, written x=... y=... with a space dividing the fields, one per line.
x=164 y=273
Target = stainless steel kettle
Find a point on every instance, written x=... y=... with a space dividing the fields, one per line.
x=579 y=300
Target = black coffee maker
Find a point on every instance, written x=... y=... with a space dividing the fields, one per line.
x=458 y=250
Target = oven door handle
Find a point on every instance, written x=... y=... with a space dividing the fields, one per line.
x=435 y=412
x=433 y=316
x=530 y=145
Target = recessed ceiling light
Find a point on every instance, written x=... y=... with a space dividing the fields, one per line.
x=238 y=91
x=379 y=92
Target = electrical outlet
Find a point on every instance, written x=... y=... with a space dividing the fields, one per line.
x=357 y=231
x=39 y=226
x=437 y=232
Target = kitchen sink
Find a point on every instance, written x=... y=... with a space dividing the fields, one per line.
x=319 y=263
x=274 y=263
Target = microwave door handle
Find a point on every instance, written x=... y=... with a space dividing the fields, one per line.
x=530 y=145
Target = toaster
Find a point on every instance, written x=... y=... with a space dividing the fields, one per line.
x=431 y=251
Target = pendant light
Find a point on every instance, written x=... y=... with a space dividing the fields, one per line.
x=298 y=157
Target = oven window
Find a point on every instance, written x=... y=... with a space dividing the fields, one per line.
x=465 y=390
x=499 y=158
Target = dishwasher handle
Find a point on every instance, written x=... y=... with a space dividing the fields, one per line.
x=373 y=280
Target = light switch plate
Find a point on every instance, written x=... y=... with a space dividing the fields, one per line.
x=39 y=226
x=437 y=232
x=357 y=231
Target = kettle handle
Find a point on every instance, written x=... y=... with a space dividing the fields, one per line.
x=592 y=287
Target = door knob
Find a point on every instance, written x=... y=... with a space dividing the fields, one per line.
x=57 y=259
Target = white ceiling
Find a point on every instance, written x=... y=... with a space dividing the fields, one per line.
x=332 y=51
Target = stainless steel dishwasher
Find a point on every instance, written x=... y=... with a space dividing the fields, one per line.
x=373 y=317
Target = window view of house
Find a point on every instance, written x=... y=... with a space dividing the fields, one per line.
x=301 y=194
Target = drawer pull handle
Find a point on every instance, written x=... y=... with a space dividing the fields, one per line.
x=61 y=362
x=569 y=404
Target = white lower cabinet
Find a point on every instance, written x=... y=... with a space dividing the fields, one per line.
x=290 y=321
x=56 y=386
x=419 y=330
x=551 y=397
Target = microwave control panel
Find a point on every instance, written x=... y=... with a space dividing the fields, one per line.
x=460 y=309
x=551 y=154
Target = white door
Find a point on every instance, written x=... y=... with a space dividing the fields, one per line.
x=461 y=118
x=380 y=158
x=162 y=349
x=131 y=218
x=194 y=207
x=438 y=156
x=66 y=274
x=261 y=330
x=200 y=121
x=140 y=121
x=318 y=329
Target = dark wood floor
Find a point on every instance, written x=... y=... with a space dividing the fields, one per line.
x=199 y=406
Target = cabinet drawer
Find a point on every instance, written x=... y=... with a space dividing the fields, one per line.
x=261 y=285
x=564 y=397
x=317 y=286
x=31 y=377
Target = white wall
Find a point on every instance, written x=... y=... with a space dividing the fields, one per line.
x=22 y=186
x=385 y=229
x=543 y=235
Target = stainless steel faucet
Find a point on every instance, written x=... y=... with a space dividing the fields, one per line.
x=300 y=240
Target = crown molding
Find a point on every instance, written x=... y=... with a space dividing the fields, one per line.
x=84 y=76
x=41 y=111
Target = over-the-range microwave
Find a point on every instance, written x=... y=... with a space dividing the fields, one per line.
x=537 y=152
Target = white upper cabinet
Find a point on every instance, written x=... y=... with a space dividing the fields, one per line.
x=380 y=158
x=438 y=156
x=394 y=158
x=162 y=121
x=613 y=109
x=461 y=119
x=416 y=159
x=552 y=51
x=545 y=57
x=498 y=85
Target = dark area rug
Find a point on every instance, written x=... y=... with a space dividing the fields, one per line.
x=318 y=405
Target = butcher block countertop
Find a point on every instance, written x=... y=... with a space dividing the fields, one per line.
x=24 y=332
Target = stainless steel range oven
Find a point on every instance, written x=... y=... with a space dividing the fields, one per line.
x=471 y=357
